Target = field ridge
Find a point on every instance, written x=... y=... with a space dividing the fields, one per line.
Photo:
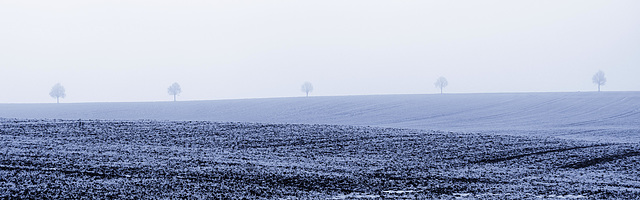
x=594 y=116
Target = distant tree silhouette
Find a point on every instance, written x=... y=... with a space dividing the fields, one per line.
x=599 y=79
x=174 y=90
x=57 y=91
x=441 y=83
x=306 y=88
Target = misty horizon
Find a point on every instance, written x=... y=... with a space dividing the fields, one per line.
x=132 y=51
x=288 y=99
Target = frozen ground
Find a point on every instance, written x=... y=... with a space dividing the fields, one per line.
x=605 y=116
x=47 y=159
x=120 y=156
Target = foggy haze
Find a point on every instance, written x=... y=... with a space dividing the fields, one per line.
x=103 y=51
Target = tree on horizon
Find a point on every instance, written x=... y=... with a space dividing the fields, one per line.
x=306 y=88
x=441 y=83
x=174 y=90
x=599 y=79
x=57 y=91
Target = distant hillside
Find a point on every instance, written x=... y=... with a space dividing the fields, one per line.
x=609 y=116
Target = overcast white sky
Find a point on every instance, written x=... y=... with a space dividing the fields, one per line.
x=132 y=50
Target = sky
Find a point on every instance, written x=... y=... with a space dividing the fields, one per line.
x=133 y=50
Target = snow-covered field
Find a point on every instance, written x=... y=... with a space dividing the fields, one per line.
x=605 y=116
x=105 y=159
x=452 y=146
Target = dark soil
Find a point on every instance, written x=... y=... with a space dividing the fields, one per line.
x=49 y=159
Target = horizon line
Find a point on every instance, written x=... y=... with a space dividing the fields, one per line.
x=283 y=97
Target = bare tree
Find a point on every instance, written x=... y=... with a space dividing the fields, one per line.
x=599 y=79
x=174 y=90
x=57 y=91
x=441 y=83
x=306 y=88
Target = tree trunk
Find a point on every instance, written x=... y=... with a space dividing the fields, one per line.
x=440 y=90
x=174 y=97
x=307 y=94
x=57 y=99
x=598 y=87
